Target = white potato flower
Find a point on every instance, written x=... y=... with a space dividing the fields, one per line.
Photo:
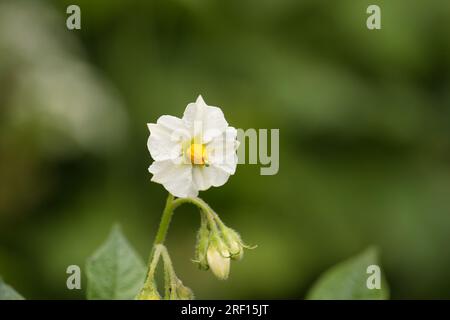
x=193 y=153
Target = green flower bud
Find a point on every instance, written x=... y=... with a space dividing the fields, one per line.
x=234 y=242
x=201 y=247
x=218 y=258
x=183 y=292
x=149 y=293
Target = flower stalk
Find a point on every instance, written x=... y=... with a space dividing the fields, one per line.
x=216 y=245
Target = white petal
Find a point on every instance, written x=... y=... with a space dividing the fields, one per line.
x=226 y=140
x=175 y=176
x=222 y=151
x=218 y=262
x=229 y=166
x=206 y=121
x=207 y=176
x=170 y=122
x=200 y=177
x=165 y=138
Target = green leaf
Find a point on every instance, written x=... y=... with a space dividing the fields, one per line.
x=8 y=293
x=348 y=280
x=115 y=270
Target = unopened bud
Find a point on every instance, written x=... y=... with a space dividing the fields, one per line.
x=149 y=293
x=201 y=248
x=218 y=258
x=182 y=292
x=234 y=242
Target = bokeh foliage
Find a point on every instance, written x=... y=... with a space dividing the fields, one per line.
x=364 y=119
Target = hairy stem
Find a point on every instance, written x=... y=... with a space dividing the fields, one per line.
x=165 y=221
x=202 y=205
x=171 y=205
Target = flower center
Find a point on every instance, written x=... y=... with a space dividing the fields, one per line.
x=196 y=153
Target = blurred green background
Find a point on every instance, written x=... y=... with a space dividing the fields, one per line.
x=364 y=119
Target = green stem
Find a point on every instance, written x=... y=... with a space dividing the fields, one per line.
x=171 y=277
x=202 y=205
x=171 y=205
x=159 y=239
x=154 y=262
x=165 y=221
